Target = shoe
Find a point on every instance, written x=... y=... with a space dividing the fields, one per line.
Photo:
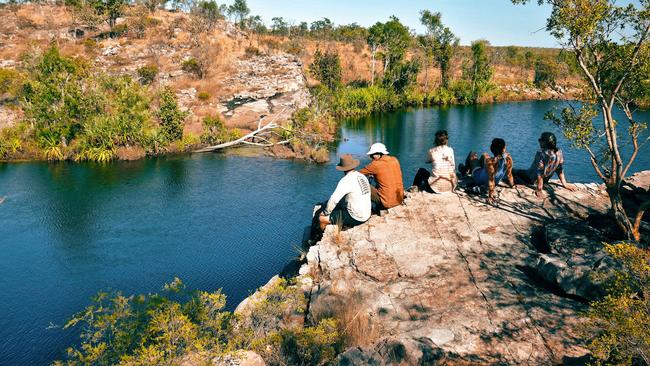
x=413 y=189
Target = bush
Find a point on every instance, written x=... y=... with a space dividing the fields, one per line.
x=118 y=31
x=170 y=116
x=619 y=324
x=546 y=71
x=251 y=51
x=326 y=68
x=204 y=96
x=194 y=66
x=147 y=74
x=9 y=82
x=351 y=102
x=164 y=328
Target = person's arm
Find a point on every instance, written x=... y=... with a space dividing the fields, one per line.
x=509 y=176
x=368 y=169
x=565 y=184
x=341 y=190
x=490 y=166
x=429 y=157
x=539 y=191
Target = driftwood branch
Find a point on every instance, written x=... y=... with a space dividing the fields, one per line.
x=250 y=136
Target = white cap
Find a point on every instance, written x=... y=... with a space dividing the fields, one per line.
x=377 y=148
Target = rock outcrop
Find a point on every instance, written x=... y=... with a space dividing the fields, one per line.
x=449 y=279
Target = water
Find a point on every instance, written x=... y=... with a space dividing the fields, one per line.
x=215 y=221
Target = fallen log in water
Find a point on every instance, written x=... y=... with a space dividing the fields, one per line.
x=260 y=134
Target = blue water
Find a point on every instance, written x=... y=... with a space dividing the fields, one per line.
x=213 y=220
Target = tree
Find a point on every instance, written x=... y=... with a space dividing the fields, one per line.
x=280 y=26
x=239 y=9
x=374 y=39
x=441 y=43
x=479 y=73
x=610 y=43
x=109 y=9
x=326 y=68
x=546 y=71
x=208 y=14
x=170 y=116
x=321 y=28
x=393 y=39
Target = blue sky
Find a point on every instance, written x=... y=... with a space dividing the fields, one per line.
x=498 y=21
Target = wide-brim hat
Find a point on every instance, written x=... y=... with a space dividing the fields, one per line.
x=347 y=163
x=377 y=148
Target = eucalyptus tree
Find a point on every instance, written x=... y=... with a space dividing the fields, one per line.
x=479 y=72
x=239 y=10
x=392 y=39
x=440 y=43
x=610 y=44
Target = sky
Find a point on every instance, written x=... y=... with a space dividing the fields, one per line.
x=498 y=21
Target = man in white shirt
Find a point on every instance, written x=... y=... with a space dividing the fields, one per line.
x=355 y=188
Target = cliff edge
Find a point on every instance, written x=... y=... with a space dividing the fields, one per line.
x=448 y=278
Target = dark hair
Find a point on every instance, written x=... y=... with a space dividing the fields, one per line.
x=549 y=140
x=441 y=138
x=498 y=146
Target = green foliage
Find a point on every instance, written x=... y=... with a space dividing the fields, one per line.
x=9 y=82
x=439 y=42
x=215 y=131
x=401 y=75
x=546 y=71
x=209 y=13
x=118 y=30
x=110 y=10
x=619 y=324
x=351 y=102
x=194 y=66
x=203 y=96
x=170 y=116
x=161 y=329
x=326 y=68
x=478 y=74
x=11 y=141
x=239 y=10
x=147 y=74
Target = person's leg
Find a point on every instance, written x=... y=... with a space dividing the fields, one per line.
x=521 y=176
x=474 y=162
x=421 y=179
x=377 y=206
x=465 y=169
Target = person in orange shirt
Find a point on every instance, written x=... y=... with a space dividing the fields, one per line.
x=388 y=177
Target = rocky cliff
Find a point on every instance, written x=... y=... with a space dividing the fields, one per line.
x=449 y=279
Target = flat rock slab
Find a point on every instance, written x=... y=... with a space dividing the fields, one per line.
x=449 y=272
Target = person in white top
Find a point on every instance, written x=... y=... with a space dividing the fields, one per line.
x=355 y=188
x=442 y=177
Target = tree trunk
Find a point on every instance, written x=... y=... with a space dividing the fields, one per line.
x=372 y=66
x=618 y=212
x=637 y=222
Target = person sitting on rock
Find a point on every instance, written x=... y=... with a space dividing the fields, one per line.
x=488 y=171
x=354 y=190
x=442 y=177
x=548 y=161
x=388 y=177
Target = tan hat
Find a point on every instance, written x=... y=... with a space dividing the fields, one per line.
x=347 y=163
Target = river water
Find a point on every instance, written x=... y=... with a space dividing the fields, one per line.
x=213 y=220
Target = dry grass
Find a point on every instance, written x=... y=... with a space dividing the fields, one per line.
x=353 y=317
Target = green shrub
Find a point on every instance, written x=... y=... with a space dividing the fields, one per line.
x=546 y=71
x=252 y=51
x=163 y=328
x=326 y=68
x=194 y=66
x=170 y=116
x=619 y=325
x=91 y=45
x=353 y=102
x=118 y=31
x=10 y=81
x=147 y=74
x=204 y=96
